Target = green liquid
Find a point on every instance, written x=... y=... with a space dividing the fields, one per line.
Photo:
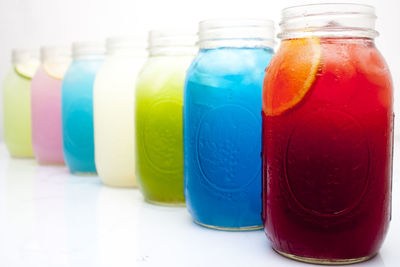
x=159 y=157
x=17 y=115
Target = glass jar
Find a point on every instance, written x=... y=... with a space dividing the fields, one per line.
x=327 y=136
x=113 y=100
x=77 y=106
x=46 y=104
x=17 y=102
x=222 y=123
x=159 y=98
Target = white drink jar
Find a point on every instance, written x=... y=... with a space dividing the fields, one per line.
x=113 y=112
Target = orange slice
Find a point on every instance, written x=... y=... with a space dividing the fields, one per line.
x=27 y=70
x=290 y=74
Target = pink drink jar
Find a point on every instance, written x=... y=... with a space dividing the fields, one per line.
x=46 y=104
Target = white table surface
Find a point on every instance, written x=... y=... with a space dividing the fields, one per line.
x=49 y=217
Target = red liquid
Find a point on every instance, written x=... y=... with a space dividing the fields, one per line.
x=327 y=162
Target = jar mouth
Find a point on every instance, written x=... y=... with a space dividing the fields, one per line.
x=236 y=33
x=328 y=20
x=56 y=53
x=88 y=49
x=172 y=42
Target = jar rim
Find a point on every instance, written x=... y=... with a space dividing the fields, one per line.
x=123 y=41
x=171 y=37
x=328 y=19
x=232 y=22
x=291 y=9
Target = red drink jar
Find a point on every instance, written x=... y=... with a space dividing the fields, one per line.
x=327 y=136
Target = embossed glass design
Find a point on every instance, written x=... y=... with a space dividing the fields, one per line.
x=222 y=123
x=327 y=136
x=77 y=106
x=159 y=98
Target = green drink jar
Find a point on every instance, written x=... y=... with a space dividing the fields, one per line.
x=159 y=101
x=17 y=103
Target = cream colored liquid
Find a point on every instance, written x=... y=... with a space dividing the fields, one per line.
x=113 y=107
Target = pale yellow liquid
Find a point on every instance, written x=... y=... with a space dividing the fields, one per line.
x=113 y=115
x=17 y=114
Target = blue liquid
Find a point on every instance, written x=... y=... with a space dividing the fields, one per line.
x=222 y=136
x=77 y=115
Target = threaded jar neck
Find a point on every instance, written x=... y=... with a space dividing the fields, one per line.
x=128 y=46
x=328 y=20
x=20 y=56
x=172 y=43
x=236 y=33
x=88 y=50
x=56 y=53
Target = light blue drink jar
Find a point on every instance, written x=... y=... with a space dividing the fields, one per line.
x=222 y=123
x=77 y=106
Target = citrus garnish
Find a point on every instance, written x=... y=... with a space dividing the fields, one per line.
x=26 y=70
x=56 y=70
x=290 y=74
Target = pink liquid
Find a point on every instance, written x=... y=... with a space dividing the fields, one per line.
x=46 y=118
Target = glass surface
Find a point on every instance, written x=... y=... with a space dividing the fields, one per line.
x=222 y=137
x=77 y=115
x=159 y=146
x=17 y=114
x=327 y=151
x=113 y=103
x=46 y=118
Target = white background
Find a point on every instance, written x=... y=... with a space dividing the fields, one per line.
x=51 y=218
x=31 y=23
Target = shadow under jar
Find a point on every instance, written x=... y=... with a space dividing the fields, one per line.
x=327 y=136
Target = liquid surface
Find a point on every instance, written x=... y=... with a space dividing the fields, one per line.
x=222 y=134
x=77 y=115
x=327 y=160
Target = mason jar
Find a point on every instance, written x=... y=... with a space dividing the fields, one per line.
x=113 y=103
x=17 y=102
x=77 y=106
x=159 y=100
x=222 y=123
x=46 y=104
x=327 y=136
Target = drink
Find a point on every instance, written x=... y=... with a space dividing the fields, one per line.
x=159 y=98
x=77 y=107
x=222 y=123
x=327 y=143
x=17 y=103
x=46 y=105
x=113 y=102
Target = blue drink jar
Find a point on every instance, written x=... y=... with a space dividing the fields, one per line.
x=77 y=107
x=222 y=123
